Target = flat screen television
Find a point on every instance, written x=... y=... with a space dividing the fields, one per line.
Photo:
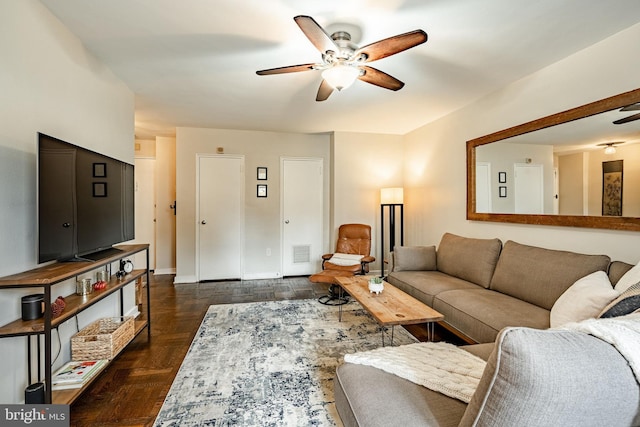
x=85 y=202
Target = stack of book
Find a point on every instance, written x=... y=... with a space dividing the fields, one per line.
x=76 y=374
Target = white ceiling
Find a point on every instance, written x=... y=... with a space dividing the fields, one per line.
x=193 y=62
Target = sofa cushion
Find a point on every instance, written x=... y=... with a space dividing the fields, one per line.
x=631 y=277
x=626 y=303
x=481 y=313
x=617 y=269
x=554 y=378
x=583 y=300
x=414 y=258
x=483 y=351
x=424 y=285
x=539 y=275
x=370 y=397
x=470 y=259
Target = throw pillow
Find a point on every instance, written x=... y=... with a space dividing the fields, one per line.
x=631 y=277
x=345 y=259
x=626 y=303
x=585 y=299
x=414 y=258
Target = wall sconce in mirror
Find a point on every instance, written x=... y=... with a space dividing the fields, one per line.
x=262 y=190
x=262 y=174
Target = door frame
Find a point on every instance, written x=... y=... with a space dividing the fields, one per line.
x=487 y=168
x=197 y=212
x=282 y=219
x=152 y=245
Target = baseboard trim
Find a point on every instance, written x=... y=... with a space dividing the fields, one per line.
x=258 y=276
x=164 y=271
x=185 y=279
x=133 y=312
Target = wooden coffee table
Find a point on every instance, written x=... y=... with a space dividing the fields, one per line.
x=391 y=307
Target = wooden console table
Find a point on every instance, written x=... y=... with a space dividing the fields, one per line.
x=47 y=277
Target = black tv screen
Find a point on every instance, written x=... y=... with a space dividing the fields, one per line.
x=85 y=201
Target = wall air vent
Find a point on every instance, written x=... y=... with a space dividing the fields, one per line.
x=301 y=254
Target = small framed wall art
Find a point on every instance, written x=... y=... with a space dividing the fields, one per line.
x=502 y=191
x=502 y=177
x=262 y=174
x=262 y=190
x=99 y=189
x=99 y=170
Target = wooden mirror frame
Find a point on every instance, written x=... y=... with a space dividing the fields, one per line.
x=608 y=222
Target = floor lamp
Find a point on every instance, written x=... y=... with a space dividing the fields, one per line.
x=391 y=198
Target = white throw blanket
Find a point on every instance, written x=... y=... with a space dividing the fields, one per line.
x=621 y=332
x=440 y=367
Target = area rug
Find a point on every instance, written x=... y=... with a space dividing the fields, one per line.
x=268 y=364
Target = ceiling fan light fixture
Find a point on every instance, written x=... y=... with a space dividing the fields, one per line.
x=610 y=146
x=341 y=76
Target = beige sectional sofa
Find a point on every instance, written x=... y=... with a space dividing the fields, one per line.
x=482 y=286
x=533 y=378
x=501 y=297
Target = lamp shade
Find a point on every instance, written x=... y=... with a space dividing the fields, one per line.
x=392 y=196
x=341 y=76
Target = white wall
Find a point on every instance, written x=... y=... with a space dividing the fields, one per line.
x=363 y=164
x=262 y=216
x=51 y=84
x=435 y=165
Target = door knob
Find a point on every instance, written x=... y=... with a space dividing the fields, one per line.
x=286 y=221
x=203 y=222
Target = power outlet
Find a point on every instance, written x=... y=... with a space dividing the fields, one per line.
x=268 y=251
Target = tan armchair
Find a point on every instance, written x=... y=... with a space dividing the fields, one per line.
x=350 y=258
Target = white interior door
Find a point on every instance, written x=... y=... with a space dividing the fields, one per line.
x=528 y=188
x=483 y=187
x=220 y=217
x=145 y=211
x=302 y=212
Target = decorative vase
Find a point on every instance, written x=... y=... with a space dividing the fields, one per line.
x=376 y=285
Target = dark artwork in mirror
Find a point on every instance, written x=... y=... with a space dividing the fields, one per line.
x=612 y=188
x=555 y=169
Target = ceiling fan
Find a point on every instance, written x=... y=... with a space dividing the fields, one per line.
x=343 y=61
x=633 y=117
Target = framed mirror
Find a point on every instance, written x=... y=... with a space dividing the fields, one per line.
x=554 y=170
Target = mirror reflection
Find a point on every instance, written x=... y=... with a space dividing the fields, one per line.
x=580 y=167
x=585 y=167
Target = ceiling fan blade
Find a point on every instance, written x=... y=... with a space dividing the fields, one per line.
x=288 y=69
x=392 y=45
x=324 y=91
x=316 y=34
x=627 y=119
x=379 y=78
x=632 y=107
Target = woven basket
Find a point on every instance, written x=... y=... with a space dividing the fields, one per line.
x=102 y=339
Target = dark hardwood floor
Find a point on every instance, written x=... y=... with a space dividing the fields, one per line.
x=132 y=389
